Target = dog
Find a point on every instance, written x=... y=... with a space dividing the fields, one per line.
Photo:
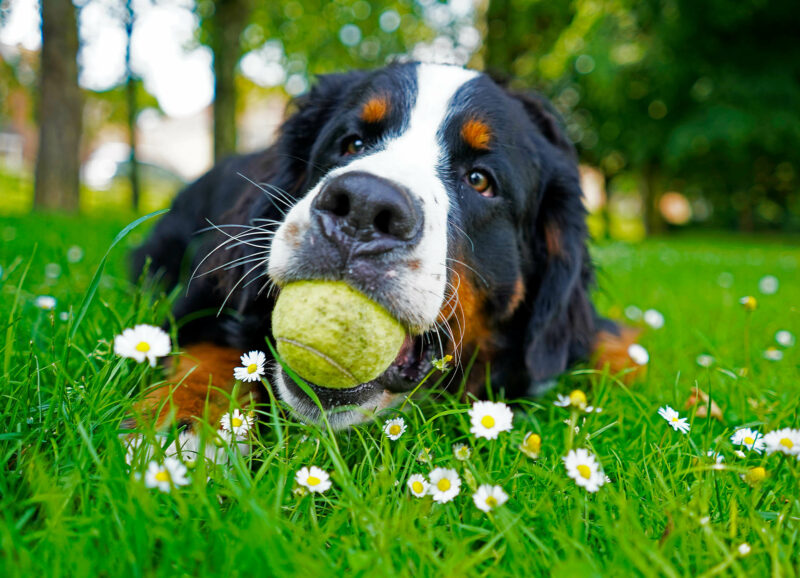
x=444 y=196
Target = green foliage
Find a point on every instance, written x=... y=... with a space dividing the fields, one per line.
x=69 y=504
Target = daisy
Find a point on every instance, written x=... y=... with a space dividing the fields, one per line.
x=445 y=484
x=674 y=419
x=418 y=485
x=748 y=438
x=654 y=318
x=462 y=452
x=314 y=479
x=394 y=428
x=704 y=360
x=425 y=456
x=164 y=476
x=784 y=338
x=143 y=342
x=236 y=423
x=584 y=469
x=768 y=285
x=744 y=549
x=45 y=302
x=755 y=475
x=749 y=303
x=575 y=399
x=786 y=440
x=489 y=497
x=442 y=364
x=488 y=419
x=531 y=445
x=633 y=313
x=253 y=367
x=638 y=354
x=772 y=354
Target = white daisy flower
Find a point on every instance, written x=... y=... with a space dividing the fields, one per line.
x=716 y=456
x=748 y=302
x=143 y=342
x=252 y=367
x=786 y=441
x=418 y=485
x=531 y=445
x=74 y=254
x=45 y=302
x=164 y=476
x=744 y=549
x=638 y=354
x=314 y=479
x=740 y=454
x=425 y=456
x=768 y=285
x=394 y=428
x=633 y=313
x=236 y=423
x=488 y=419
x=749 y=438
x=462 y=452
x=489 y=497
x=772 y=354
x=784 y=338
x=584 y=469
x=674 y=419
x=654 y=318
x=445 y=484
x=704 y=360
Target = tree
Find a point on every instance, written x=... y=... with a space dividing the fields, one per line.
x=60 y=110
x=229 y=19
x=132 y=107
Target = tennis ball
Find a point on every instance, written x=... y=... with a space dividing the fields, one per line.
x=332 y=335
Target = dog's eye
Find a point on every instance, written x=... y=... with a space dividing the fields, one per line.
x=353 y=145
x=481 y=182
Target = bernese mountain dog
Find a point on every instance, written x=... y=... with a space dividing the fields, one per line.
x=449 y=199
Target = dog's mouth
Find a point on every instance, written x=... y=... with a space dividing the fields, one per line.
x=412 y=364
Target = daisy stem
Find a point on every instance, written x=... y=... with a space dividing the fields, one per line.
x=747 y=342
x=573 y=419
x=413 y=391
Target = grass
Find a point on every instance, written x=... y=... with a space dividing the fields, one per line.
x=70 y=506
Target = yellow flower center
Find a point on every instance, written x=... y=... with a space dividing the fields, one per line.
x=756 y=474
x=534 y=442
x=491 y=501
x=675 y=418
x=252 y=368
x=749 y=441
x=236 y=422
x=394 y=429
x=577 y=398
x=313 y=481
x=585 y=471
x=143 y=346
x=787 y=443
x=163 y=476
x=443 y=485
x=487 y=421
x=417 y=487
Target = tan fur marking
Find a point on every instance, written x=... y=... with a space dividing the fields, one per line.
x=517 y=297
x=476 y=134
x=552 y=236
x=198 y=386
x=375 y=109
x=612 y=351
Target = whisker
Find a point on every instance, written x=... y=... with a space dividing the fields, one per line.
x=263 y=190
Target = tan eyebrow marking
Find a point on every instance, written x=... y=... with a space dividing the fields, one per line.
x=375 y=109
x=476 y=134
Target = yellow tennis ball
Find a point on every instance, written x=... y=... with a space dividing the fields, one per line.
x=332 y=335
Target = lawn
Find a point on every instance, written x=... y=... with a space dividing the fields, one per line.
x=71 y=506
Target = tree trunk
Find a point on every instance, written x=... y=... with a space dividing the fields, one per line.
x=133 y=109
x=651 y=196
x=229 y=21
x=60 y=114
x=497 y=41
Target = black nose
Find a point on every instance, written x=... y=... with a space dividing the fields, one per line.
x=368 y=213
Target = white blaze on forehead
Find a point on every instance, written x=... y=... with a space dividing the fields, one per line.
x=413 y=159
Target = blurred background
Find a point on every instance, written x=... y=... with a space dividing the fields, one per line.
x=686 y=113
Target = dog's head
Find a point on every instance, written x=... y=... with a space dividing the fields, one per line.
x=449 y=200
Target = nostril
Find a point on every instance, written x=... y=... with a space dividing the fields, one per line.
x=341 y=205
x=383 y=222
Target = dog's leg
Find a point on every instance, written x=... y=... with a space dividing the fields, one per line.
x=201 y=389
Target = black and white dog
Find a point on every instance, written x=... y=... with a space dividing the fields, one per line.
x=450 y=200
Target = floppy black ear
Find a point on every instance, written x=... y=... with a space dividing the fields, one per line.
x=561 y=325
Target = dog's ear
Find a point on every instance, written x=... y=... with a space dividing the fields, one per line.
x=560 y=329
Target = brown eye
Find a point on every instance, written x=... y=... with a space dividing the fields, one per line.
x=480 y=181
x=353 y=145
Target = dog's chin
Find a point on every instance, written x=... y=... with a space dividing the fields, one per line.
x=350 y=406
